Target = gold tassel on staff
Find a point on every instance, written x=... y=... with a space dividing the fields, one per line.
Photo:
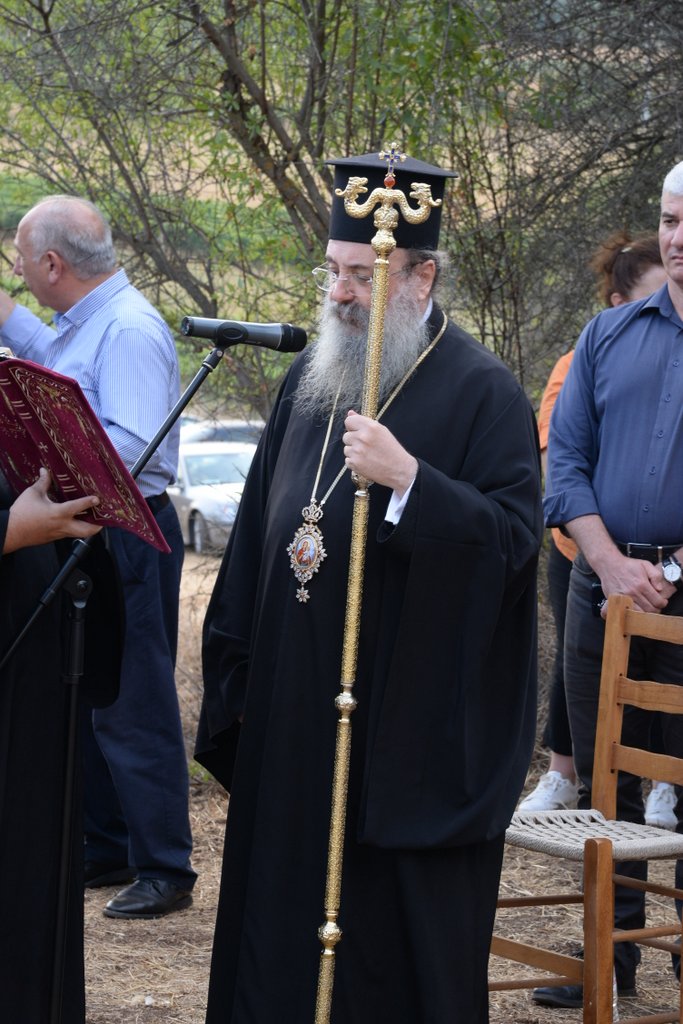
x=384 y=202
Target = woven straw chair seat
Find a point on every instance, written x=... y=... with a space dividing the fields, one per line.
x=563 y=834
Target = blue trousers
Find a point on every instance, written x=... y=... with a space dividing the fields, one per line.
x=584 y=637
x=136 y=779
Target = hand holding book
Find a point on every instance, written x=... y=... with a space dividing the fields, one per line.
x=46 y=421
x=35 y=519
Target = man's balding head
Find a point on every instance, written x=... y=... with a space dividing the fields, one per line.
x=75 y=229
x=64 y=251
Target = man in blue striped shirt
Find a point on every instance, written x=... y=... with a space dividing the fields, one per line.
x=109 y=338
x=615 y=483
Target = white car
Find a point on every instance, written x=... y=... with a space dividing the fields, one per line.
x=211 y=477
x=248 y=431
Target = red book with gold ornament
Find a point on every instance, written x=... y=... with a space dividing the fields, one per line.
x=45 y=420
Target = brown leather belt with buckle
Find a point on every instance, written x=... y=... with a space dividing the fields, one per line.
x=651 y=552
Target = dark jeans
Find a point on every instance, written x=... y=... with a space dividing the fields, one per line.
x=557 y=735
x=584 y=636
x=136 y=794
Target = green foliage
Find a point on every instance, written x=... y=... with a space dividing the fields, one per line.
x=17 y=194
x=201 y=129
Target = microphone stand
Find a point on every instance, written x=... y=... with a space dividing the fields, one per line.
x=80 y=547
x=78 y=586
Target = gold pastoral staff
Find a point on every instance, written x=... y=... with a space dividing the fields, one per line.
x=383 y=201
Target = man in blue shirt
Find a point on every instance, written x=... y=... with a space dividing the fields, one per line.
x=115 y=344
x=615 y=484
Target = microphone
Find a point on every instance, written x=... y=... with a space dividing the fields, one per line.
x=281 y=337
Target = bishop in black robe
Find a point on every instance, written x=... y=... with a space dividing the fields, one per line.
x=444 y=728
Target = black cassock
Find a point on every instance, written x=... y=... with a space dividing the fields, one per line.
x=444 y=728
x=33 y=740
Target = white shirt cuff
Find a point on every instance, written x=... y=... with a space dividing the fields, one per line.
x=396 y=506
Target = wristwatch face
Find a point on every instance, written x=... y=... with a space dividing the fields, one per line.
x=672 y=571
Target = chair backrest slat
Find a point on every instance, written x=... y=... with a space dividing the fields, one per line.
x=646 y=764
x=652 y=624
x=651 y=696
x=617 y=690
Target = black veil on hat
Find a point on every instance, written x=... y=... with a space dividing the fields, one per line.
x=408 y=236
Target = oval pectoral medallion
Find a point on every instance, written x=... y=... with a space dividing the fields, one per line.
x=306 y=553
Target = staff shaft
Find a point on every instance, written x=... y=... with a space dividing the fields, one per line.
x=383 y=243
x=330 y=933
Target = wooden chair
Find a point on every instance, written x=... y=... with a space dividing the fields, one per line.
x=597 y=839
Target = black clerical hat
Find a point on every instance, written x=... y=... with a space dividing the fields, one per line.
x=408 y=236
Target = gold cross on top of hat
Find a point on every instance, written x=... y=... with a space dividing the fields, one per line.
x=391 y=154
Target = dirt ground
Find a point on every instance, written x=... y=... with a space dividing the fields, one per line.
x=157 y=972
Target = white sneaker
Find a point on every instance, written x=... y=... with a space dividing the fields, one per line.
x=659 y=807
x=553 y=792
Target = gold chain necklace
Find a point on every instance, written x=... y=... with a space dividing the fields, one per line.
x=306 y=551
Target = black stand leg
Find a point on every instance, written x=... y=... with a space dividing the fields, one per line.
x=79 y=588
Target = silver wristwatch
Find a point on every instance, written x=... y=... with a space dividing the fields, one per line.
x=672 y=571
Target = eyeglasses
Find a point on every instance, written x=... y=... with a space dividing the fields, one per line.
x=326 y=279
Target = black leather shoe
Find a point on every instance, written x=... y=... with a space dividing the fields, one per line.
x=98 y=875
x=571 y=996
x=148 y=898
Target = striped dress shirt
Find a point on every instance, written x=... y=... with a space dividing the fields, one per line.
x=118 y=348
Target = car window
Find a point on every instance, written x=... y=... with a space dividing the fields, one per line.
x=217 y=468
x=207 y=431
x=247 y=433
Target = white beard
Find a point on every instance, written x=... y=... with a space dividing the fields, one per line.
x=337 y=361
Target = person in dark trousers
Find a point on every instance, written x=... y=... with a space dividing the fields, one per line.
x=614 y=486
x=114 y=343
x=34 y=738
x=627 y=269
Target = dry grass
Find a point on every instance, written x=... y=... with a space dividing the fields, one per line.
x=157 y=972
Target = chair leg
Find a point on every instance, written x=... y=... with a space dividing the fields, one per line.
x=598 y=925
